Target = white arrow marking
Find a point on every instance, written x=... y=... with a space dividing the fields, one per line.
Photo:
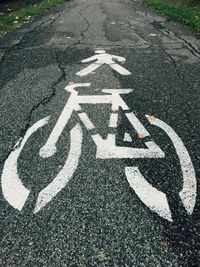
x=189 y=191
x=102 y=58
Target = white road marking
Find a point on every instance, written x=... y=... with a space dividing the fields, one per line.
x=100 y=59
x=117 y=101
x=121 y=70
x=90 y=69
x=149 y=195
x=49 y=149
x=94 y=99
x=189 y=191
x=60 y=181
x=138 y=126
x=13 y=189
x=86 y=121
x=16 y=193
x=113 y=120
x=72 y=87
x=106 y=149
x=72 y=104
x=127 y=138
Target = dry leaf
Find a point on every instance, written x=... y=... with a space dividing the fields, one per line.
x=142 y=136
x=151 y=118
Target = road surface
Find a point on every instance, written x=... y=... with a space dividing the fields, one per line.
x=96 y=177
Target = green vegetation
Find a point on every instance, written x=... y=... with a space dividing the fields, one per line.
x=25 y=14
x=186 y=11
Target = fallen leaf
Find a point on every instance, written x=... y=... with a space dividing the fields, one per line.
x=151 y=118
x=142 y=136
x=71 y=82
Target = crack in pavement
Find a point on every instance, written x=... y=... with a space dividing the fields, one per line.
x=18 y=45
x=62 y=77
x=189 y=46
x=82 y=34
x=62 y=67
x=164 y=30
x=21 y=43
x=150 y=44
x=44 y=101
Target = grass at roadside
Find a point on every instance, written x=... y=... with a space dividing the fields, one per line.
x=181 y=10
x=12 y=20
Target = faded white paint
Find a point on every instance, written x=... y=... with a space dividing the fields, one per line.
x=102 y=58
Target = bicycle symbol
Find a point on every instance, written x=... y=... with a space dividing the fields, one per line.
x=16 y=193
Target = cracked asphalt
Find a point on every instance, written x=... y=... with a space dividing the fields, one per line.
x=97 y=219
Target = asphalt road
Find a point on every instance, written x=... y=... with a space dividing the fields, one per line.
x=97 y=218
